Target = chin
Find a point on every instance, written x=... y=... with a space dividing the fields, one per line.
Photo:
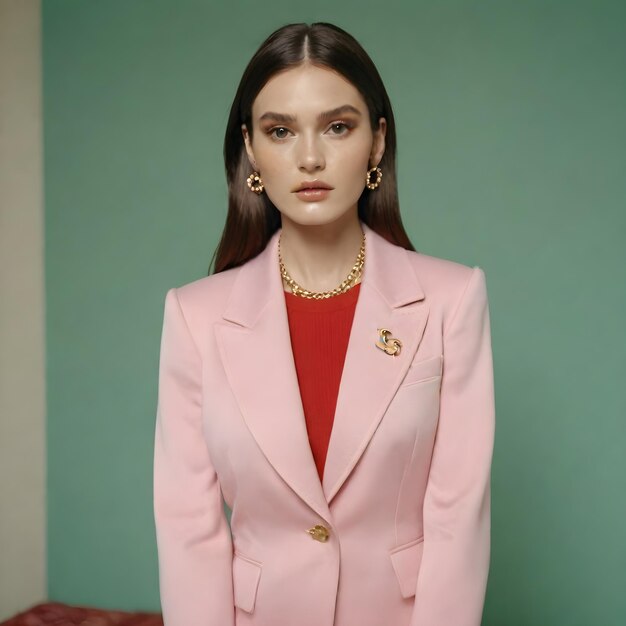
x=314 y=216
x=315 y=213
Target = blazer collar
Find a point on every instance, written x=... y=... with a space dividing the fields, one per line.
x=386 y=269
x=255 y=346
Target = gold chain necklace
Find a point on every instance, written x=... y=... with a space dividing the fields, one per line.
x=297 y=290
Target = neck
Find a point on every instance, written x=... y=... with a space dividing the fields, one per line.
x=319 y=257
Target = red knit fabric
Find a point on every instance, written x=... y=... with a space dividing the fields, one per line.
x=320 y=330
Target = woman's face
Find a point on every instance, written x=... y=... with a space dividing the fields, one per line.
x=311 y=124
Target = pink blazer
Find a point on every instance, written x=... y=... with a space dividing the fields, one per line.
x=404 y=506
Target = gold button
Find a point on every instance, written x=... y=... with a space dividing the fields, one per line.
x=319 y=533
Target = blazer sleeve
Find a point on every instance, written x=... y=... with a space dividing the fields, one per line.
x=193 y=539
x=452 y=579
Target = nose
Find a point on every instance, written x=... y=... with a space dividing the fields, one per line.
x=310 y=155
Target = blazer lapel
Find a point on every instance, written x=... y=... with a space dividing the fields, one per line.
x=392 y=298
x=255 y=347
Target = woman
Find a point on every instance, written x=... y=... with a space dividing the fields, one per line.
x=330 y=384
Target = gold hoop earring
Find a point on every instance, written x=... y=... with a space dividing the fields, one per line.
x=379 y=177
x=255 y=183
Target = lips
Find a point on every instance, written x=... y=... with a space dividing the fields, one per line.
x=313 y=190
x=314 y=184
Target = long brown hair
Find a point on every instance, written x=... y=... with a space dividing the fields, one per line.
x=252 y=219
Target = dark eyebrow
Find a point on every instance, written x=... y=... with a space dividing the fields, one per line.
x=288 y=119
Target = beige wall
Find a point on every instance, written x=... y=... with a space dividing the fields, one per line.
x=22 y=362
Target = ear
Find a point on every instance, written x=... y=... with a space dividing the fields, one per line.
x=246 y=139
x=378 y=145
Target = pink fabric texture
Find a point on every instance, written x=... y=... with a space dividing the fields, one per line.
x=405 y=494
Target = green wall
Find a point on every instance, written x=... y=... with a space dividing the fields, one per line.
x=512 y=156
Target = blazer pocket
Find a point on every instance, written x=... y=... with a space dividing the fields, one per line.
x=406 y=560
x=246 y=576
x=419 y=371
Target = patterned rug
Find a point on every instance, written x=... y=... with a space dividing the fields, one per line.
x=58 y=614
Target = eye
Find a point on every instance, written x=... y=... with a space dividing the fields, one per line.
x=341 y=125
x=277 y=129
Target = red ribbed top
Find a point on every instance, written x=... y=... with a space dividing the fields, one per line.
x=320 y=330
